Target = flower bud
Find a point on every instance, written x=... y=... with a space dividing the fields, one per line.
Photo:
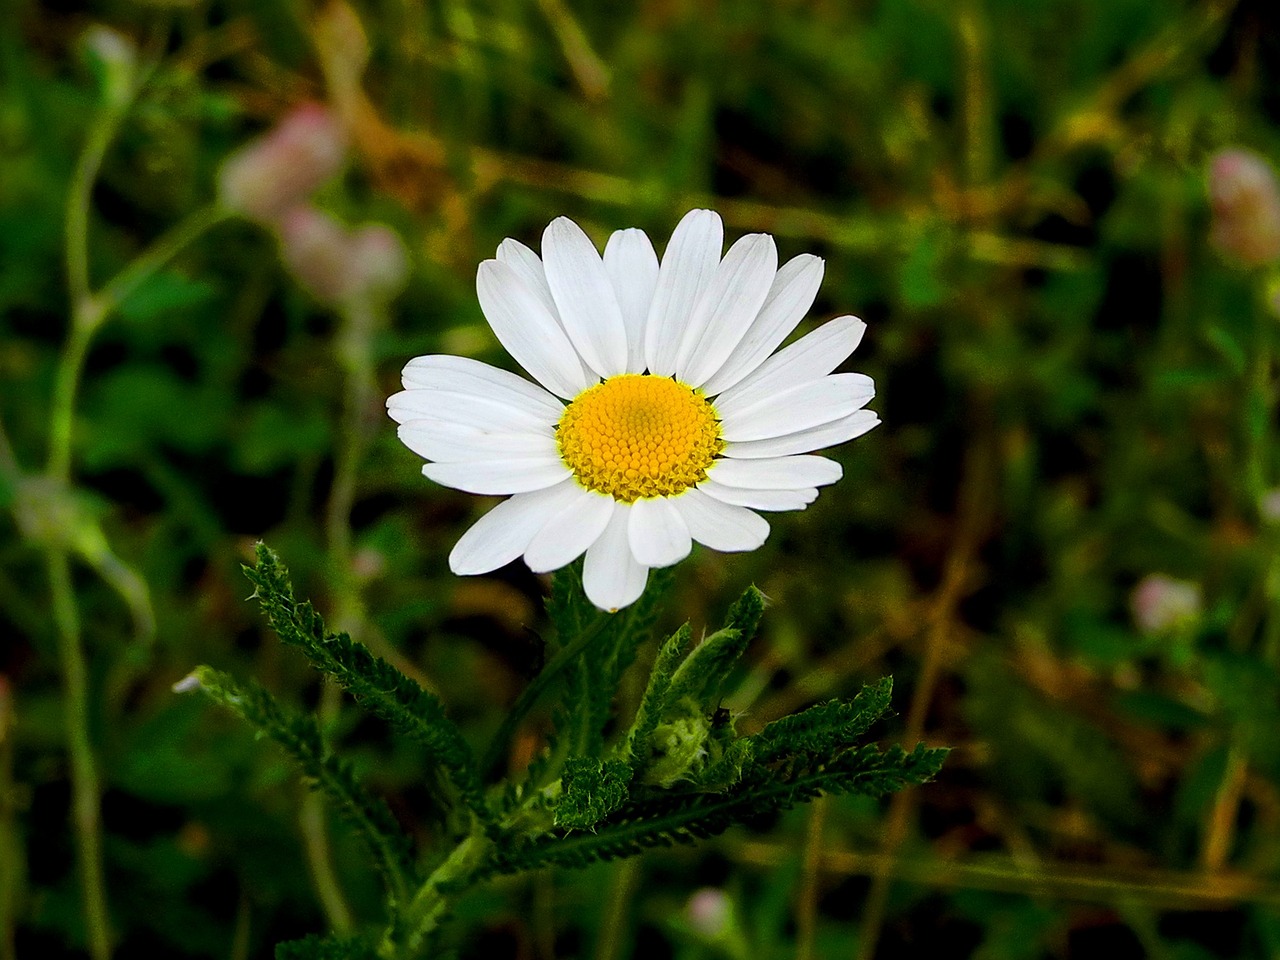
x=317 y=250
x=336 y=265
x=1245 y=200
x=379 y=261
x=1269 y=506
x=274 y=173
x=709 y=912
x=1162 y=604
x=115 y=60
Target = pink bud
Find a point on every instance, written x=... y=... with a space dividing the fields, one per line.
x=380 y=263
x=1162 y=604
x=282 y=168
x=1245 y=199
x=318 y=252
x=709 y=912
x=1269 y=506
x=336 y=265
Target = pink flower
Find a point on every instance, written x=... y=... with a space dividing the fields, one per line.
x=336 y=265
x=282 y=168
x=1245 y=199
x=1162 y=604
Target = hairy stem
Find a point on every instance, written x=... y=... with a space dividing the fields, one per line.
x=524 y=703
x=411 y=935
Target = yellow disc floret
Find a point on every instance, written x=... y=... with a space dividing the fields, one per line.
x=636 y=436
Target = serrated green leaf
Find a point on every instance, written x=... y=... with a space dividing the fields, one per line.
x=327 y=948
x=826 y=728
x=299 y=736
x=374 y=683
x=671 y=817
x=702 y=676
x=592 y=789
x=655 y=695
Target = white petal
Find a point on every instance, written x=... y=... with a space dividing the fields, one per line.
x=658 y=534
x=809 y=358
x=486 y=413
x=464 y=375
x=789 y=300
x=633 y=267
x=802 y=441
x=504 y=532
x=584 y=294
x=528 y=265
x=498 y=477
x=721 y=526
x=531 y=334
x=760 y=499
x=727 y=307
x=451 y=442
x=776 y=473
x=611 y=576
x=688 y=264
x=799 y=408
x=569 y=532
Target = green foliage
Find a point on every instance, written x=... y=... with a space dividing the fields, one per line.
x=680 y=773
x=592 y=789
x=655 y=699
x=327 y=948
x=703 y=674
x=374 y=683
x=299 y=736
x=819 y=731
x=1077 y=389
x=688 y=816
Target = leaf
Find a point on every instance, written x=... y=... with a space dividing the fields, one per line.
x=825 y=728
x=299 y=736
x=375 y=683
x=593 y=789
x=685 y=817
x=164 y=292
x=327 y=948
x=655 y=695
x=704 y=672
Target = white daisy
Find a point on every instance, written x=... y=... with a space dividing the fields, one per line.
x=663 y=416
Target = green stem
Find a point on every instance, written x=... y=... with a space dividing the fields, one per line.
x=493 y=757
x=431 y=904
x=65 y=389
x=11 y=853
x=80 y=198
x=355 y=356
x=84 y=773
x=88 y=312
x=85 y=317
x=163 y=249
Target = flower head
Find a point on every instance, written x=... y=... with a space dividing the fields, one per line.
x=1245 y=199
x=270 y=175
x=337 y=265
x=1162 y=604
x=663 y=416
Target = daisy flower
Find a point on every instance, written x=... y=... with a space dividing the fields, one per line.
x=661 y=414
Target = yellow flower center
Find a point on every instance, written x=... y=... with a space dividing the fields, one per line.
x=636 y=436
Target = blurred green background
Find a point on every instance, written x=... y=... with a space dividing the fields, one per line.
x=1077 y=390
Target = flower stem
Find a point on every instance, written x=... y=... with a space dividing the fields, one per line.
x=432 y=903
x=163 y=249
x=84 y=774
x=524 y=703
x=88 y=312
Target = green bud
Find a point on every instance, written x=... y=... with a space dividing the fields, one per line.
x=114 y=59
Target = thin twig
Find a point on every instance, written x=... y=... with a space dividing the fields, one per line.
x=1167 y=889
